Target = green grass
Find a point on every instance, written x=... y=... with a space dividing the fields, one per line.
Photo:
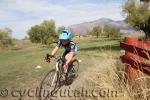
x=96 y=46
x=18 y=66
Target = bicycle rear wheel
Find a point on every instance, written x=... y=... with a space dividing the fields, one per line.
x=73 y=68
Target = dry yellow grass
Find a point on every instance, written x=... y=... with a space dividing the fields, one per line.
x=138 y=34
x=108 y=74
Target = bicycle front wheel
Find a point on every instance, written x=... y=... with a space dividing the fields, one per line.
x=49 y=83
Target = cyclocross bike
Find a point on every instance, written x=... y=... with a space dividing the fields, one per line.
x=54 y=78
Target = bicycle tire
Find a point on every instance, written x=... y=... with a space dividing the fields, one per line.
x=46 y=86
x=74 y=67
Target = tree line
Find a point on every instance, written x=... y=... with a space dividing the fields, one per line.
x=106 y=31
x=47 y=33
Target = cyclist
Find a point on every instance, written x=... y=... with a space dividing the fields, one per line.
x=65 y=40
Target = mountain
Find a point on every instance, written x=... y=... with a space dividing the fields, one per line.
x=82 y=28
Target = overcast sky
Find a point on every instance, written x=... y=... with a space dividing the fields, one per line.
x=20 y=15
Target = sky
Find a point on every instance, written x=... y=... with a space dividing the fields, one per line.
x=20 y=15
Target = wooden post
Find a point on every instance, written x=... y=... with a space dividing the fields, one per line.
x=147 y=43
x=131 y=73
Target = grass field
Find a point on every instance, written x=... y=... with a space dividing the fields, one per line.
x=19 y=65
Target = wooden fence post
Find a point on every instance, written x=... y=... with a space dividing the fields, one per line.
x=130 y=72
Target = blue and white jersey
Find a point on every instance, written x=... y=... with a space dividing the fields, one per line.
x=69 y=48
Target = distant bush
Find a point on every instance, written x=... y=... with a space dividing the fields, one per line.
x=5 y=38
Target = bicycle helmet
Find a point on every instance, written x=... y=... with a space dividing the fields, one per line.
x=65 y=35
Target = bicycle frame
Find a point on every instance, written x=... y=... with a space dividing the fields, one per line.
x=58 y=69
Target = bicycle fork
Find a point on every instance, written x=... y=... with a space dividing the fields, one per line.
x=55 y=75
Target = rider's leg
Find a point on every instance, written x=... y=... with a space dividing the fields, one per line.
x=68 y=58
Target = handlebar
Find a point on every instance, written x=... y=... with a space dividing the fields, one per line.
x=55 y=57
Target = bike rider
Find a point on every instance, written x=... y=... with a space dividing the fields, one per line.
x=65 y=40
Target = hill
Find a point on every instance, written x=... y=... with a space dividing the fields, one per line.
x=82 y=28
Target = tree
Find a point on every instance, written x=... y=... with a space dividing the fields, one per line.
x=96 y=31
x=5 y=33
x=138 y=15
x=111 y=31
x=5 y=37
x=108 y=31
x=60 y=29
x=26 y=38
x=42 y=32
x=34 y=34
x=117 y=33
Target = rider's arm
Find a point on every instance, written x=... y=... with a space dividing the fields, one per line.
x=54 y=50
